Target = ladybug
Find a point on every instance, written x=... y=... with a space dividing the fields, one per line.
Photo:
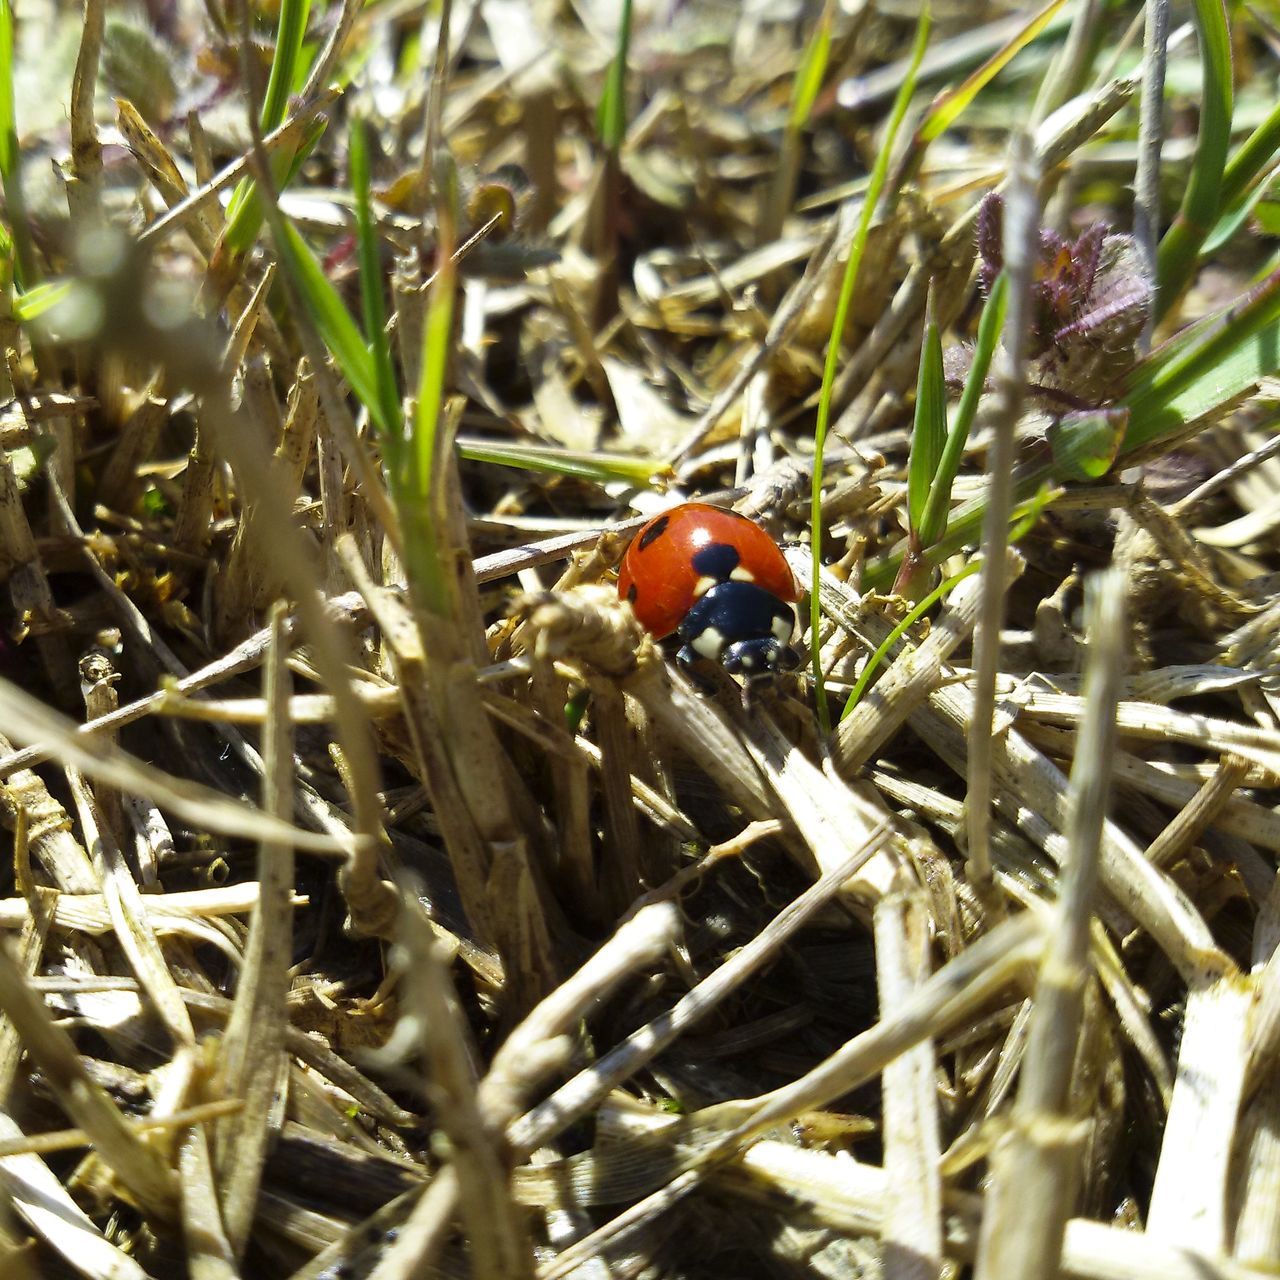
x=719 y=583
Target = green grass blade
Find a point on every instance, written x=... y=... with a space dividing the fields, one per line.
x=929 y=430
x=284 y=61
x=1167 y=373
x=417 y=488
x=912 y=617
x=856 y=249
x=811 y=71
x=1235 y=214
x=1085 y=445
x=1254 y=154
x=1176 y=258
x=933 y=521
x=244 y=210
x=1184 y=383
x=340 y=333
x=371 y=289
x=600 y=468
x=949 y=105
x=612 y=116
x=34 y=303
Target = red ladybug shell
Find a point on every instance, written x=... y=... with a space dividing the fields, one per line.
x=680 y=554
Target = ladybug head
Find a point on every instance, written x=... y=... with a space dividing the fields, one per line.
x=744 y=627
x=760 y=656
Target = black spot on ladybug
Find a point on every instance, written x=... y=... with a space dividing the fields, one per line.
x=632 y=593
x=654 y=531
x=717 y=561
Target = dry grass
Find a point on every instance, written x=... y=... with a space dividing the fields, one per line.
x=382 y=901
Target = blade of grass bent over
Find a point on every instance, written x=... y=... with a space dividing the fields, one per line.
x=856 y=249
x=950 y=104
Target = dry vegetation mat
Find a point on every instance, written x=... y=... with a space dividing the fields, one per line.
x=380 y=899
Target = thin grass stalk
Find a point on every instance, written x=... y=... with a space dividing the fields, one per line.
x=951 y=103
x=1020 y=226
x=805 y=87
x=253 y=1063
x=909 y=619
x=84 y=189
x=372 y=284
x=856 y=249
x=371 y=901
x=911 y=1239
x=928 y=444
x=606 y=211
x=433 y=107
x=1253 y=156
x=1146 y=185
x=420 y=487
x=1034 y=1173
x=1070 y=67
x=202 y=203
x=498 y=1245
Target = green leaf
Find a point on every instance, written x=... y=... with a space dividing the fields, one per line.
x=933 y=521
x=334 y=322
x=1254 y=357
x=8 y=116
x=419 y=484
x=1228 y=341
x=10 y=159
x=1085 y=445
x=929 y=430
x=1252 y=156
x=811 y=72
x=284 y=61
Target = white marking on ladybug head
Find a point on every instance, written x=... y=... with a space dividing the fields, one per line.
x=782 y=628
x=709 y=642
x=702 y=586
x=742 y=574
